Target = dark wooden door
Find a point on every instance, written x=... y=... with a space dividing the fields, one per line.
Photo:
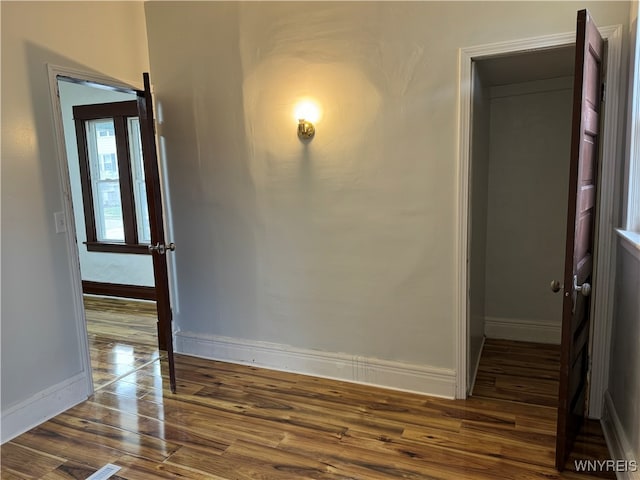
x=574 y=360
x=156 y=221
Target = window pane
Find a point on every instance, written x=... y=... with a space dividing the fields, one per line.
x=103 y=164
x=139 y=187
x=109 y=223
x=106 y=160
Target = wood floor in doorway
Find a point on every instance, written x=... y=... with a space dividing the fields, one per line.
x=527 y=373
x=122 y=336
x=519 y=371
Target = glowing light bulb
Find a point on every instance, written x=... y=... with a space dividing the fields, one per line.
x=308 y=110
x=307 y=113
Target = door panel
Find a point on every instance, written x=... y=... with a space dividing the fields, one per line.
x=574 y=360
x=156 y=223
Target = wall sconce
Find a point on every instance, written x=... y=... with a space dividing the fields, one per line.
x=307 y=113
x=306 y=130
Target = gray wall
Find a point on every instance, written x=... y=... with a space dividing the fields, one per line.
x=40 y=336
x=624 y=375
x=526 y=220
x=346 y=244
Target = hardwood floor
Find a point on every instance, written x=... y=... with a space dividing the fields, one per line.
x=519 y=371
x=528 y=373
x=240 y=422
x=122 y=319
x=122 y=336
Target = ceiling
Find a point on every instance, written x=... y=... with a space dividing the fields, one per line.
x=527 y=67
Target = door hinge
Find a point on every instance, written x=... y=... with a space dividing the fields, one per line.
x=602 y=90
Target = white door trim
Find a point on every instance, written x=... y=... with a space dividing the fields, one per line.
x=602 y=306
x=63 y=168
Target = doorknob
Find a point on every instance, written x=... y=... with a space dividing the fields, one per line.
x=555 y=286
x=584 y=289
x=161 y=248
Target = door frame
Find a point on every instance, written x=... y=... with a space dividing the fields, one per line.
x=602 y=302
x=95 y=79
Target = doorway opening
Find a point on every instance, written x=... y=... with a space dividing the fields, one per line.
x=519 y=171
x=520 y=168
x=519 y=177
x=118 y=286
x=478 y=225
x=467 y=355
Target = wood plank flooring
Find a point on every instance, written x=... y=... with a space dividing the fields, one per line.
x=236 y=422
x=519 y=371
x=528 y=373
x=122 y=319
x=122 y=336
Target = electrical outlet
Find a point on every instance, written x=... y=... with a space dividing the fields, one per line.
x=60 y=221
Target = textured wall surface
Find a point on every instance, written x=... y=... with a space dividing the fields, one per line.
x=345 y=244
x=40 y=343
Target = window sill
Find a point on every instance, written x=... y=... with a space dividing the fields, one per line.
x=139 y=249
x=630 y=241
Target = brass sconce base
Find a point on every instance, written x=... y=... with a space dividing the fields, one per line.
x=306 y=130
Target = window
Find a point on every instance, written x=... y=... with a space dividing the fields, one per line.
x=137 y=173
x=106 y=130
x=112 y=175
x=633 y=206
x=108 y=162
x=631 y=230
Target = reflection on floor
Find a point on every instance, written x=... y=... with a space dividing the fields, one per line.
x=528 y=373
x=231 y=422
x=122 y=337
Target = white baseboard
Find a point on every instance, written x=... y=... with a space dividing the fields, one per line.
x=439 y=382
x=42 y=406
x=617 y=441
x=538 y=331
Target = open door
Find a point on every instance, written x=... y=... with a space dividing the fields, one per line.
x=158 y=248
x=574 y=359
